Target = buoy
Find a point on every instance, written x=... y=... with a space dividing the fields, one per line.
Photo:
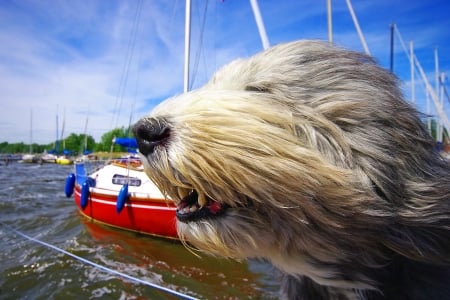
x=70 y=184
x=84 y=194
x=122 y=198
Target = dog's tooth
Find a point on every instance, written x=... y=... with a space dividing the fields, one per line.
x=201 y=199
x=193 y=208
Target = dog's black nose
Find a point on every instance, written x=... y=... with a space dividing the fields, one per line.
x=150 y=133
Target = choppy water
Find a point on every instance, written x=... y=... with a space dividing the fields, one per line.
x=32 y=201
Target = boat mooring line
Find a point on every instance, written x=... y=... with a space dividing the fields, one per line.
x=106 y=269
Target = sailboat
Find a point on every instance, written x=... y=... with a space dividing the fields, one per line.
x=64 y=158
x=30 y=157
x=51 y=156
x=119 y=194
x=47 y=157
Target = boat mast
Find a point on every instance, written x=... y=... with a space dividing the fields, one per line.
x=438 y=121
x=358 y=28
x=429 y=89
x=62 y=130
x=392 y=48
x=85 y=133
x=413 y=84
x=427 y=94
x=442 y=93
x=187 y=44
x=31 y=131
x=330 y=22
x=260 y=24
x=57 y=133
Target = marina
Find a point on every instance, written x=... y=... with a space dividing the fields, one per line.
x=33 y=203
x=109 y=234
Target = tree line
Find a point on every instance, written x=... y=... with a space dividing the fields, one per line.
x=74 y=143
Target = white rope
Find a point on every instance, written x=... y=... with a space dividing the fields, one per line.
x=103 y=268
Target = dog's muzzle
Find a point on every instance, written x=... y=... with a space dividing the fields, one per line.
x=150 y=133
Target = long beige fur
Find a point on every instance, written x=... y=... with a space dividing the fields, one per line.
x=314 y=162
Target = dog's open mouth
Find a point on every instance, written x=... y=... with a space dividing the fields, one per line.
x=189 y=209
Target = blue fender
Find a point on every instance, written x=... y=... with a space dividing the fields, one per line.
x=70 y=184
x=122 y=198
x=84 y=194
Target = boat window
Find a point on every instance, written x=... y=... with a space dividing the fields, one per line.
x=122 y=179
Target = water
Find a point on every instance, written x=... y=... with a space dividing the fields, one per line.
x=32 y=201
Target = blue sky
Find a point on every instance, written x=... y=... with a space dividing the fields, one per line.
x=70 y=57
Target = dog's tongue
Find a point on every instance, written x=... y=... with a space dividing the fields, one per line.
x=189 y=209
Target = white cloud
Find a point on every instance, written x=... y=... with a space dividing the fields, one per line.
x=41 y=71
x=65 y=55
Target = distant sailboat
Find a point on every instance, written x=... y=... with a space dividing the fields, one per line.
x=84 y=152
x=64 y=158
x=30 y=157
x=51 y=156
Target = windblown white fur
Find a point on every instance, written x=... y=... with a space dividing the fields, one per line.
x=325 y=170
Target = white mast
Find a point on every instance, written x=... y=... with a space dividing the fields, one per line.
x=330 y=22
x=428 y=111
x=436 y=65
x=31 y=131
x=358 y=29
x=438 y=121
x=441 y=81
x=85 y=133
x=187 y=43
x=260 y=24
x=411 y=61
x=431 y=92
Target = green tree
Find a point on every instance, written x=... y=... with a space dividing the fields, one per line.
x=78 y=143
x=434 y=130
x=107 y=138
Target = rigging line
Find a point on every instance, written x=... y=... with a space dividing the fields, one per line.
x=135 y=34
x=172 y=16
x=215 y=41
x=130 y=57
x=439 y=110
x=187 y=45
x=136 y=88
x=122 y=78
x=127 y=63
x=200 y=44
x=103 y=268
x=125 y=67
x=133 y=105
x=442 y=82
x=446 y=94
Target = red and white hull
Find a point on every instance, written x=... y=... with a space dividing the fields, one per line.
x=145 y=209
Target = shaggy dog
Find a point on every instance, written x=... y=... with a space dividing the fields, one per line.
x=307 y=156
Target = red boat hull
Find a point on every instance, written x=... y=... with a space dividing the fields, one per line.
x=147 y=216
